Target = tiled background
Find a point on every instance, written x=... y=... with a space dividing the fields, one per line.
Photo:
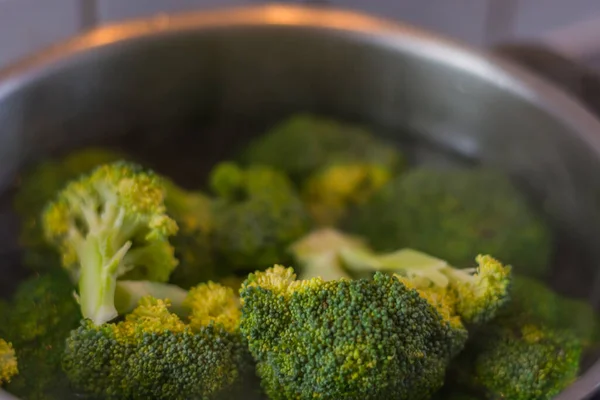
x=28 y=25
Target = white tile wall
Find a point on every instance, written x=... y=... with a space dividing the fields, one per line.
x=461 y=19
x=28 y=25
x=534 y=17
x=114 y=10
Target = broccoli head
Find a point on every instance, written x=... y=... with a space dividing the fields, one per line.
x=192 y=211
x=36 y=321
x=345 y=339
x=257 y=215
x=153 y=354
x=39 y=185
x=536 y=301
x=303 y=144
x=107 y=225
x=515 y=359
x=531 y=350
x=8 y=362
x=331 y=192
x=475 y=294
x=454 y=214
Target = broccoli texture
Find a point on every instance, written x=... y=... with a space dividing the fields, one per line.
x=107 y=225
x=474 y=294
x=39 y=185
x=304 y=144
x=477 y=294
x=454 y=214
x=536 y=301
x=345 y=339
x=8 y=362
x=515 y=359
x=333 y=191
x=531 y=350
x=192 y=211
x=257 y=215
x=153 y=354
x=36 y=321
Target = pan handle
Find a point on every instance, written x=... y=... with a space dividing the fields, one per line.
x=574 y=77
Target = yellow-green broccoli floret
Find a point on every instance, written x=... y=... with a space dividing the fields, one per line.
x=333 y=191
x=154 y=354
x=111 y=224
x=39 y=185
x=455 y=214
x=304 y=144
x=345 y=339
x=8 y=362
x=474 y=294
x=478 y=293
x=257 y=215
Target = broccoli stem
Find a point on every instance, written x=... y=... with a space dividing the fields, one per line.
x=129 y=293
x=98 y=277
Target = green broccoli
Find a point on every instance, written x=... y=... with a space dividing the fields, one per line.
x=8 y=362
x=515 y=359
x=346 y=339
x=477 y=294
x=539 y=303
x=192 y=211
x=303 y=144
x=36 y=321
x=107 y=225
x=153 y=354
x=532 y=349
x=331 y=192
x=454 y=214
x=39 y=185
x=257 y=215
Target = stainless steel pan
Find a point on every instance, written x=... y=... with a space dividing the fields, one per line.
x=189 y=88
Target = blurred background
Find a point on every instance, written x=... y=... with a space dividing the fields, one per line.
x=572 y=27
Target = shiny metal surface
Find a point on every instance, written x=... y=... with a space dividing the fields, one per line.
x=146 y=81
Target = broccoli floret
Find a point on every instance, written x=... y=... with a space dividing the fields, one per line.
x=39 y=185
x=533 y=348
x=345 y=339
x=154 y=354
x=515 y=359
x=257 y=215
x=192 y=211
x=477 y=293
x=37 y=320
x=8 y=362
x=304 y=144
x=107 y=225
x=454 y=214
x=539 y=303
x=331 y=192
